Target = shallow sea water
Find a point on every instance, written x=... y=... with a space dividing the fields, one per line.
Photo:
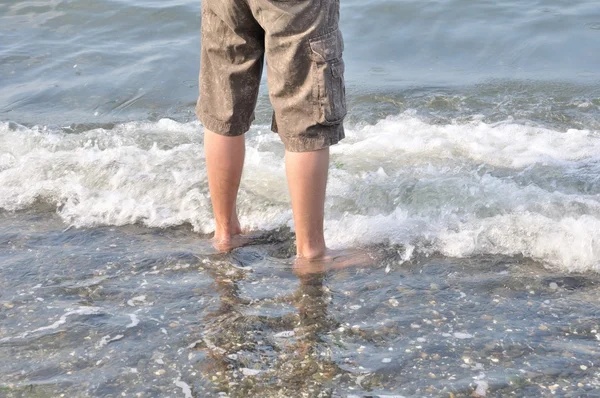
x=470 y=172
x=132 y=311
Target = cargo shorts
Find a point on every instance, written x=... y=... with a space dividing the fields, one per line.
x=303 y=46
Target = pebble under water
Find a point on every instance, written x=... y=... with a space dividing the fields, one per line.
x=135 y=311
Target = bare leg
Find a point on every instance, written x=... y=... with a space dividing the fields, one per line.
x=307 y=180
x=224 y=164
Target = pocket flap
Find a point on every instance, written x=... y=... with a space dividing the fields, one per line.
x=327 y=47
x=337 y=68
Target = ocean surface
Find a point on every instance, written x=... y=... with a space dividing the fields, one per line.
x=471 y=171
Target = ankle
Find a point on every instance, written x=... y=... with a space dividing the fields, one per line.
x=311 y=252
x=226 y=234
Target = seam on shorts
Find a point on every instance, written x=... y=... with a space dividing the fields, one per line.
x=223 y=128
x=328 y=136
x=339 y=46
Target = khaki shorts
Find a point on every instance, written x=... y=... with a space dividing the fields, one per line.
x=305 y=70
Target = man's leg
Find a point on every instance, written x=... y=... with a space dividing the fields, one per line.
x=224 y=163
x=307 y=180
x=231 y=67
x=305 y=71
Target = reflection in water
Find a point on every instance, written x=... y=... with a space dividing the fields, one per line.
x=308 y=364
x=243 y=359
x=144 y=317
x=425 y=329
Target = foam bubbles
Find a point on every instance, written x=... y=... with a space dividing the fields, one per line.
x=459 y=189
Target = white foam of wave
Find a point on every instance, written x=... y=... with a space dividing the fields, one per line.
x=448 y=188
x=185 y=388
x=107 y=339
x=512 y=145
x=134 y=321
x=61 y=321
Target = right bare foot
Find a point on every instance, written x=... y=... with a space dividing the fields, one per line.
x=333 y=259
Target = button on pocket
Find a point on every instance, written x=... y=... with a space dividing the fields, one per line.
x=328 y=69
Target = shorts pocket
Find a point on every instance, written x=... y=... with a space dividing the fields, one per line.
x=328 y=68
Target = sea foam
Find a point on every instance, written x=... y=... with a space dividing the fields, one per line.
x=460 y=189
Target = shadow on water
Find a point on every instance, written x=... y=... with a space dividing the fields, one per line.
x=142 y=312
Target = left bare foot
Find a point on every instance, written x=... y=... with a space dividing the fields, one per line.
x=235 y=241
